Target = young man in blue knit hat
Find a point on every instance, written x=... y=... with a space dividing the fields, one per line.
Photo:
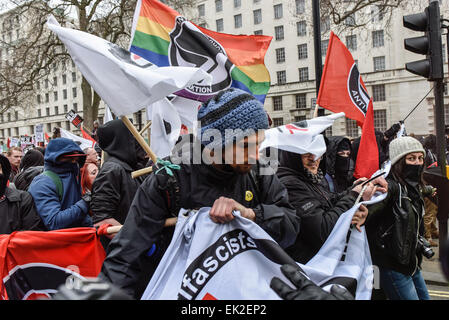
x=232 y=125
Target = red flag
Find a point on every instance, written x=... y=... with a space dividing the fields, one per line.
x=342 y=90
x=38 y=262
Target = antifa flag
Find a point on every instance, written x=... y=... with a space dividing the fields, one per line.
x=342 y=90
x=34 y=264
x=204 y=261
x=125 y=85
x=300 y=137
x=164 y=37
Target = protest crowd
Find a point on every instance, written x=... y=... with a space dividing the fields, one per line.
x=288 y=192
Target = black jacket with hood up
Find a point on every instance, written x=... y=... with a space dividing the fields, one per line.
x=199 y=186
x=317 y=208
x=113 y=189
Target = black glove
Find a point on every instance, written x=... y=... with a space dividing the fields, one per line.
x=392 y=131
x=305 y=289
x=87 y=197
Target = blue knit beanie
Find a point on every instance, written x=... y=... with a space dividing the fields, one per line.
x=232 y=109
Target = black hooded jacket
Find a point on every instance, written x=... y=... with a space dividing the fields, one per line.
x=317 y=208
x=333 y=162
x=199 y=186
x=17 y=209
x=113 y=189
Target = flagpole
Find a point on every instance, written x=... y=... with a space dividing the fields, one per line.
x=139 y=138
x=315 y=112
x=145 y=128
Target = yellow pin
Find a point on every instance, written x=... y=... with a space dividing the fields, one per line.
x=248 y=195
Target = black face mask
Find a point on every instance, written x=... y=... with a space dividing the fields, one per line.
x=341 y=165
x=412 y=173
x=3 y=183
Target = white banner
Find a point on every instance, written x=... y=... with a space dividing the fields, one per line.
x=39 y=132
x=84 y=143
x=125 y=85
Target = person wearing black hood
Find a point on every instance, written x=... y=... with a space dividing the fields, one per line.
x=113 y=189
x=339 y=165
x=317 y=208
x=31 y=165
x=17 y=209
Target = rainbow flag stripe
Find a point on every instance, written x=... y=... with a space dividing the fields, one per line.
x=151 y=41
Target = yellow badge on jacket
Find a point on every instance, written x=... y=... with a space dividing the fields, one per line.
x=248 y=195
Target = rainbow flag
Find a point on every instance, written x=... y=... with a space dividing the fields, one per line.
x=162 y=36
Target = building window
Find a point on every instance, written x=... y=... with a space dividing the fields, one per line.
x=219 y=24
x=278 y=122
x=278 y=11
x=56 y=110
x=201 y=10
x=281 y=77
x=47 y=111
x=378 y=38
x=377 y=14
x=380 y=120
x=75 y=106
x=303 y=74
x=66 y=108
x=379 y=92
x=218 y=5
x=237 y=3
x=39 y=100
x=55 y=95
x=74 y=92
x=301 y=101
x=258 y=32
x=238 y=21
x=300 y=118
x=302 y=51
x=280 y=55
x=39 y=113
x=47 y=97
x=64 y=94
x=324 y=45
x=73 y=76
x=379 y=63
x=300 y=6
x=352 y=130
x=279 y=32
x=325 y=24
x=351 y=42
x=16 y=115
x=257 y=14
x=64 y=79
x=350 y=20
x=277 y=103
x=46 y=83
x=301 y=28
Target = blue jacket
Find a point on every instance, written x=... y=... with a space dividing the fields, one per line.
x=71 y=211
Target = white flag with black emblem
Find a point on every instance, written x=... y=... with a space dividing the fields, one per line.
x=125 y=85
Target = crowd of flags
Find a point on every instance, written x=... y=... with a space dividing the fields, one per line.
x=170 y=76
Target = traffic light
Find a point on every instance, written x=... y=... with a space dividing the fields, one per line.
x=429 y=44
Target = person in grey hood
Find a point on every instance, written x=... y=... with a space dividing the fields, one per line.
x=113 y=189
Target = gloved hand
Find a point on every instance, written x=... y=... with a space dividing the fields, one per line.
x=392 y=131
x=305 y=289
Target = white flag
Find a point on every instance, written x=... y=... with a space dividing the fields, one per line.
x=125 y=85
x=107 y=115
x=83 y=143
x=301 y=137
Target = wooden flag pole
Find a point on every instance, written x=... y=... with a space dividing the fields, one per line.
x=169 y=222
x=145 y=128
x=139 y=138
x=315 y=112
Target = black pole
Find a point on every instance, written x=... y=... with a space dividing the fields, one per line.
x=317 y=43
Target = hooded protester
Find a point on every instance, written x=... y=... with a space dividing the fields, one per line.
x=317 y=208
x=57 y=191
x=114 y=188
x=339 y=164
x=17 y=209
x=224 y=186
x=31 y=165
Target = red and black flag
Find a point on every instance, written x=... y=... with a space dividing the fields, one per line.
x=342 y=90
